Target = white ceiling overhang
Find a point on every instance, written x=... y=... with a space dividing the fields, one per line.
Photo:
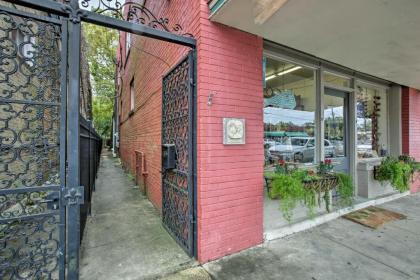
x=377 y=37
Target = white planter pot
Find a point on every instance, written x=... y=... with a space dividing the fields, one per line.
x=367 y=186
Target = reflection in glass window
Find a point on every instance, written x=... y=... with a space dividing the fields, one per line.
x=335 y=108
x=372 y=124
x=289 y=112
x=336 y=80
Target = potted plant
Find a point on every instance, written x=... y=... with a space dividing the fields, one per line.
x=325 y=166
x=397 y=171
x=309 y=188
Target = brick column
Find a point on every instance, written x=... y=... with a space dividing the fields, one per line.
x=410 y=119
x=230 y=178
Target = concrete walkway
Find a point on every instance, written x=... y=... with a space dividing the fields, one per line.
x=337 y=250
x=124 y=237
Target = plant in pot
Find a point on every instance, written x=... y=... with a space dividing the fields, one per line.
x=307 y=188
x=345 y=189
x=415 y=166
x=290 y=190
x=325 y=166
x=282 y=167
x=396 y=171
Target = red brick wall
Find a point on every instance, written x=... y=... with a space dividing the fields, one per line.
x=230 y=178
x=411 y=126
x=147 y=62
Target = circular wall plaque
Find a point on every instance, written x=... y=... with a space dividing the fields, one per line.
x=233 y=131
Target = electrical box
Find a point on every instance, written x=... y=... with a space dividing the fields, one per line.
x=168 y=156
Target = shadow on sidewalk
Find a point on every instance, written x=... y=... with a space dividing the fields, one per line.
x=124 y=237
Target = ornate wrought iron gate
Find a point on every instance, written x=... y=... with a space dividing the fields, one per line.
x=177 y=131
x=32 y=145
x=40 y=195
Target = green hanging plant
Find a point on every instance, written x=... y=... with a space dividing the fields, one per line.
x=290 y=190
x=309 y=189
x=345 y=189
x=310 y=202
x=401 y=177
x=415 y=166
x=385 y=171
x=396 y=171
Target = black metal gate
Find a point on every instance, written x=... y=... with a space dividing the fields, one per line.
x=32 y=145
x=40 y=139
x=178 y=147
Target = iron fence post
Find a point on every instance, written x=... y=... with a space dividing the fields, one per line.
x=73 y=152
x=63 y=139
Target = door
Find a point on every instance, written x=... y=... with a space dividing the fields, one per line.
x=32 y=145
x=336 y=135
x=309 y=151
x=177 y=153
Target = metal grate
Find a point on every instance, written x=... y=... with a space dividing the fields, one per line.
x=177 y=128
x=31 y=172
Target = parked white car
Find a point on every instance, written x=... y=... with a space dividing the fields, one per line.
x=300 y=149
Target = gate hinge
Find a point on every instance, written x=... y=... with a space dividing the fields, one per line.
x=74 y=195
x=192 y=82
x=192 y=220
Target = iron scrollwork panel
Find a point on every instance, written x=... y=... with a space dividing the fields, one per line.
x=30 y=178
x=176 y=129
x=128 y=10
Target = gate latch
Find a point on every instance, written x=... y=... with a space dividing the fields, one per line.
x=53 y=201
x=74 y=195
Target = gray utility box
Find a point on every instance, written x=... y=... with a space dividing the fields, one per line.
x=367 y=186
x=168 y=156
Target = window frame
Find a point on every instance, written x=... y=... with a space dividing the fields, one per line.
x=279 y=52
x=387 y=91
x=132 y=96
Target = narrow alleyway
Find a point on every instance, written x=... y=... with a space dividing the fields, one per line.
x=124 y=237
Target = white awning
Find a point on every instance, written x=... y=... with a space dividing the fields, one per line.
x=376 y=37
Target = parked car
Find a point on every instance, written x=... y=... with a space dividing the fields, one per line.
x=338 y=148
x=300 y=149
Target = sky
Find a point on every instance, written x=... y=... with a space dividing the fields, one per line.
x=274 y=115
x=95 y=3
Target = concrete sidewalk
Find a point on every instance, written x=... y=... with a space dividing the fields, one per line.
x=124 y=238
x=337 y=250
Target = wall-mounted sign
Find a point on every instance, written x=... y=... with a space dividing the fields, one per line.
x=281 y=99
x=233 y=131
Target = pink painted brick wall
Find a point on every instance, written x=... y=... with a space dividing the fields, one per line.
x=230 y=178
x=411 y=127
x=147 y=62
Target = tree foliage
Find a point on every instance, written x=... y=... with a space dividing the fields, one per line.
x=101 y=55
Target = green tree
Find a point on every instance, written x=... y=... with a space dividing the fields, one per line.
x=101 y=55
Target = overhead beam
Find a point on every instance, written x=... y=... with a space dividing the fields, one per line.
x=138 y=29
x=107 y=21
x=264 y=9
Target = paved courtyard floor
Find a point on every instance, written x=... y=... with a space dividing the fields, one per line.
x=124 y=237
x=338 y=250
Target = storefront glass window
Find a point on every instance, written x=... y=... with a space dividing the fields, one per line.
x=372 y=122
x=335 y=129
x=336 y=80
x=289 y=113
